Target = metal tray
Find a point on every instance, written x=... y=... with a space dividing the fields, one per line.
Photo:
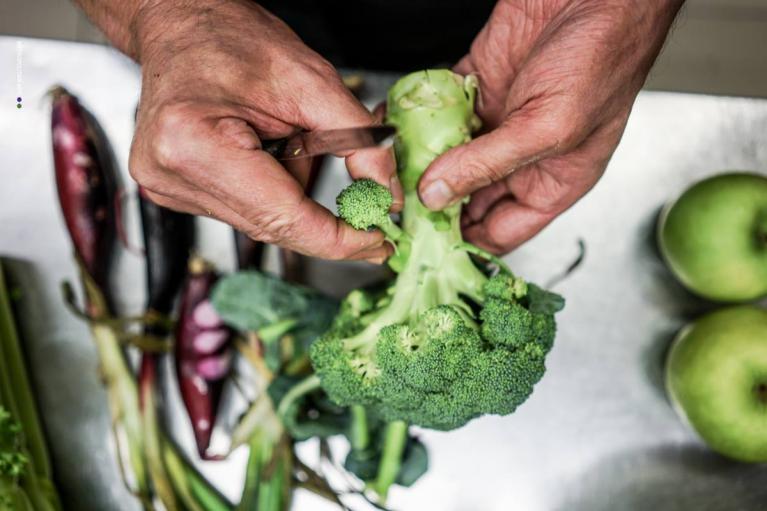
x=598 y=433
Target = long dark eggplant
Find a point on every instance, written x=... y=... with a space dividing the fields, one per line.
x=168 y=242
x=87 y=182
x=249 y=252
x=203 y=352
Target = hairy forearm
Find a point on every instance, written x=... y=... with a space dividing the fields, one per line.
x=116 y=18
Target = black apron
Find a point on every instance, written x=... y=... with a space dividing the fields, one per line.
x=395 y=35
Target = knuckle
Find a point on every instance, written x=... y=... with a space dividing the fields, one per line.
x=323 y=69
x=143 y=175
x=171 y=122
x=274 y=228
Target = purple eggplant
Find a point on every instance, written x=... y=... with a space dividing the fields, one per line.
x=86 y=181
x=202 y=351
x=168 y=241
x=250 y=253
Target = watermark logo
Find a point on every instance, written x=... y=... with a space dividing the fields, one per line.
x=19 y=66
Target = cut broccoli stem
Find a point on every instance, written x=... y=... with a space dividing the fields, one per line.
x=390 y=229
x=433 y=256
x=359 y=434
x=305 y=386
x=433 y=111
x=395 y=440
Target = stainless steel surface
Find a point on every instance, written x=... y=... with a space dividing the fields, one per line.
x=315 y=143
x=597 y=434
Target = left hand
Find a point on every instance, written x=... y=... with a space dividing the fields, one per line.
x=557 y=82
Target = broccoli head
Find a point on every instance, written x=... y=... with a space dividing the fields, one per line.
x=446 y=341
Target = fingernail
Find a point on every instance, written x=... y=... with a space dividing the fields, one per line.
x=437 y=195
x=376 y=260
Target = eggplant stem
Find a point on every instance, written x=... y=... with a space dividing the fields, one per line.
x=255 y=359
x=151 y=318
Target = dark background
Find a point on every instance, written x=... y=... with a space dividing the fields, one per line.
x=389 y=35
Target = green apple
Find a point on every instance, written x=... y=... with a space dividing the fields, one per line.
x=716 y=377
x=714 y=237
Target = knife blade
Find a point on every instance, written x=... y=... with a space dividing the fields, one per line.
x=313 y=143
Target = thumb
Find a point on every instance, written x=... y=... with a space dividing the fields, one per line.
x=336 y=107
x=526 y=136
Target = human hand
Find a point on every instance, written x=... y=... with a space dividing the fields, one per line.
x=217 y=77
x=557 y=82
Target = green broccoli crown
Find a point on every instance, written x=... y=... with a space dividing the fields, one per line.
x=442 y=367
x=445 y=343
x=364 y=204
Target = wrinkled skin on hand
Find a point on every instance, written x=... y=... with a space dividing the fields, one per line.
x=218 y=77
x=558 y=79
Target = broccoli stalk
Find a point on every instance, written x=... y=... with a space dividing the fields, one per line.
x=446 y=342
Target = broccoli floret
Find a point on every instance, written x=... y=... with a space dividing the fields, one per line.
x=505 y=287
x=365 y=204
x=446 y=342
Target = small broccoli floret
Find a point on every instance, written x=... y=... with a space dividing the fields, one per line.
x=506 y=323
x=365 y=204
x=505 y=287
x=445 y=343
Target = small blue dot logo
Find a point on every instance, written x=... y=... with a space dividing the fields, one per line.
x=18 y=102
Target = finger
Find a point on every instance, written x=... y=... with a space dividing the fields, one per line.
x=333 y=106
x=172 y=203
x=259 y=190
x=379 y=112
x=464 y=66
x=527 y=136
x=330 y=105
x=484 y=199
x=237 y=133
x=379 y=165
x=300 y=169
x=376 y=255
x=247 y=188
x=201 y=204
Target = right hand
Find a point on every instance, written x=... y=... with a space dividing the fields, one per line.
x=218 y=76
